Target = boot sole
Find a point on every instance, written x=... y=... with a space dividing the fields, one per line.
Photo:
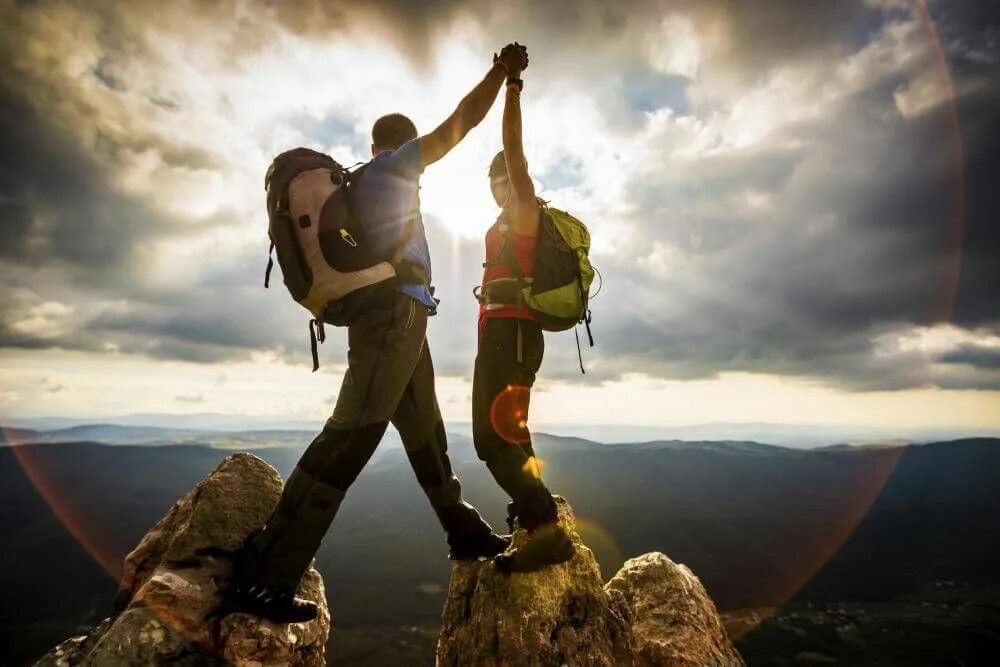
x=477 y=554
x=509 y=563
x=236 y=604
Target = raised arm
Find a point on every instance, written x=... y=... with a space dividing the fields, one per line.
x=513 y=148
x=525 y=204
x=472 y=109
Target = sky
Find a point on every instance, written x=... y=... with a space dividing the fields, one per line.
x=793 y=203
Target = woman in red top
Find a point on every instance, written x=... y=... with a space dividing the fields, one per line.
x=510 y=353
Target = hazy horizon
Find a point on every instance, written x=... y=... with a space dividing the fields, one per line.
x=787 y=435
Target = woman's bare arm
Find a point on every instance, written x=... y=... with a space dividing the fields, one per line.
x=524 y=205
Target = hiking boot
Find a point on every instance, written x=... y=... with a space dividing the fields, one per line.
x=275 y=603
x=480 y=546
x=548 y=545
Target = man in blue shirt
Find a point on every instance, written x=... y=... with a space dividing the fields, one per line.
x=386 y=197
x=390 y=376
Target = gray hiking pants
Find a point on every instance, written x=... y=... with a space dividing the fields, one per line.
x=389 y=378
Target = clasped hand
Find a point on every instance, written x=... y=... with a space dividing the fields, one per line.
x=513 y=58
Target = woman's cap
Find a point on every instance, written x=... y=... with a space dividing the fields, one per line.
x=498 y=167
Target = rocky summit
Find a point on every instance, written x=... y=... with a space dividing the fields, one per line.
x=652 y=612
x=168 y=607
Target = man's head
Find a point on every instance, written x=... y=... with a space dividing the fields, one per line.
x=392 y=131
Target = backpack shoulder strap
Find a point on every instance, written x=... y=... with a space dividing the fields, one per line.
x=352 y=178
x=506 y=254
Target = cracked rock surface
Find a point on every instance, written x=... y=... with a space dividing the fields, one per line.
x=674 y=621
x=169 y=596
x=653 y=612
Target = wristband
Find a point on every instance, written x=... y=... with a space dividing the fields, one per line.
x=512 y=81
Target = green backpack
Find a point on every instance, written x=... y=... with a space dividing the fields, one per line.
x=558 y=292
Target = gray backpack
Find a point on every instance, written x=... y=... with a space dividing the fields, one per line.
x=326 y=261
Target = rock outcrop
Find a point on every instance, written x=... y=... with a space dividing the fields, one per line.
x=653 y=612
x=169 y=599
x=674 y=621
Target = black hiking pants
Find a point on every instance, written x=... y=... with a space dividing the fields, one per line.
x=509 y=355
x=390 y=377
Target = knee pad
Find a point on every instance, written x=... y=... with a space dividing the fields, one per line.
x=344 y=464
x=323 y=446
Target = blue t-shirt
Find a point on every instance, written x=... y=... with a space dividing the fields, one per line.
x=386 y=197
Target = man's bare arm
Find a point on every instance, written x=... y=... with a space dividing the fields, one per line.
x=473 y=108
x=469 y=113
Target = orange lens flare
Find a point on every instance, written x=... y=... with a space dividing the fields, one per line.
x=44 y=474
x=533 y=467
x=509 y=414
x=807 y=551
x=88 y=522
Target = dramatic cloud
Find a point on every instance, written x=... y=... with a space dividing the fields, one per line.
x=791 y=188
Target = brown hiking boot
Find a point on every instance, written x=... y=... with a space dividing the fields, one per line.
x=548 y=545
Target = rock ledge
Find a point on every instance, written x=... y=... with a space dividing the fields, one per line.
x=169 y=593
x=652 y=612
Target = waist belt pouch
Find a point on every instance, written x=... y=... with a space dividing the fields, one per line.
x=506 y=291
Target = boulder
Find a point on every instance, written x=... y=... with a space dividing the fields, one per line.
x=558 y=616
x=653 y=612
x=168 y=609
x=674 y=621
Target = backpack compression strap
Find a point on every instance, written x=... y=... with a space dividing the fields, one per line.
x=270 y=265
x=316 y=332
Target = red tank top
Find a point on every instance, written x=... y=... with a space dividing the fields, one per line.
x=524 y=251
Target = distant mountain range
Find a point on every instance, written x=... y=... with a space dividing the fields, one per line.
x=786 y=435
x=202 y=421
x=119 y=434
x=763 y=526
x=109 y=434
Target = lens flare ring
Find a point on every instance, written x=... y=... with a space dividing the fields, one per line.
x=509 y=414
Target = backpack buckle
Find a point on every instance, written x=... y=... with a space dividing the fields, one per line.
x=347 y=238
